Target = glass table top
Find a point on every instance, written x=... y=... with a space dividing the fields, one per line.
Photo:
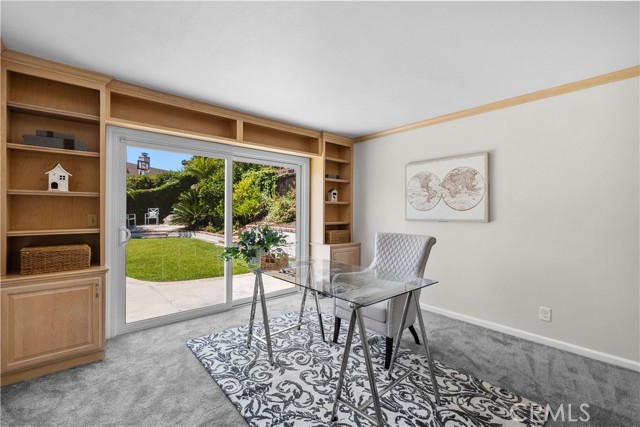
x=356 y=284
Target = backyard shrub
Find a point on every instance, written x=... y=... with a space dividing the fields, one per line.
x=282 y=209
x=248 y=202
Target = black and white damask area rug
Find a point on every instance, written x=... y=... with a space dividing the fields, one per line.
x=300 y=389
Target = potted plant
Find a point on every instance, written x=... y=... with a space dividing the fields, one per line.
x=259 y=245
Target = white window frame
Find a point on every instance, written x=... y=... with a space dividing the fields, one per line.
x=117 y=141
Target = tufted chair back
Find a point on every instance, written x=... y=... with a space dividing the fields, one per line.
x=402 y=255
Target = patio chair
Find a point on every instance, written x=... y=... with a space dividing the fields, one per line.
x=131 y=220
x=401 y=255
x=152 y=214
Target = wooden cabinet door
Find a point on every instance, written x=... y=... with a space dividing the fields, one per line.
x=346 y=255
x=45 y=322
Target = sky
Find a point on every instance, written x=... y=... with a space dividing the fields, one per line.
x=159 y=159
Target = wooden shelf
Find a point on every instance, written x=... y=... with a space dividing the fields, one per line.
x=38 y=149
x=53 y=193
x=337 y=160
x=137 y=110
x=337 y=203
x=337 y=223
x=286 y=138
x=53 y=232
x=52 y=112
x=343 y=181
x=14 y=277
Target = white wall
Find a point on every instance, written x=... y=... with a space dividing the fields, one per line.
x=564 y=208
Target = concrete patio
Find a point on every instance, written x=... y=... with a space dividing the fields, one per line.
x=146 y=300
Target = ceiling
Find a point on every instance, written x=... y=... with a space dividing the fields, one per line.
x=352 y=68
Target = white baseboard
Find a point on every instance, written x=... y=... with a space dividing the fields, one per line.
x=582 y=351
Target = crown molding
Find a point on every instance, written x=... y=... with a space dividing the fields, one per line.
x=615 y=76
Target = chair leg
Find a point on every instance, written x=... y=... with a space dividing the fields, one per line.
x=336 y=329
x=415 y=334
x=388 y=352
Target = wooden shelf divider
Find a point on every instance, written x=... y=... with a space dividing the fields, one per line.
x=337 y=160
x=52 y=112
x=53 y=193
x=340 y=180
x=36 y=148
x=52 y=232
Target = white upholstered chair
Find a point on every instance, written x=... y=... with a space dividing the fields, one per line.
x=401 y=255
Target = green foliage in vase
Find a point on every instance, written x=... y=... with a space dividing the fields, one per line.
x=251 y=241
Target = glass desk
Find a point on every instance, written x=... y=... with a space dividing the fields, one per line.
x=360 y=287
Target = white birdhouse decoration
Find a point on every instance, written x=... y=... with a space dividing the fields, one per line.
x=58 y=179
x=333 y=195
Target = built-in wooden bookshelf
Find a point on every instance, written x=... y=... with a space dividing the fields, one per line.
x=38 y=94
x=333 y=171
x=337 y=176
x=50 y=321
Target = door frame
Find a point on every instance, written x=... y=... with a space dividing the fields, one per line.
x=117 y=140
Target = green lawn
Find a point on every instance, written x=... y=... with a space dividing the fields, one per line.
x=173 y=259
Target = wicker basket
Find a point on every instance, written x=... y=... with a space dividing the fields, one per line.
x=273 y=263
x=49 y=259
x=337 y=236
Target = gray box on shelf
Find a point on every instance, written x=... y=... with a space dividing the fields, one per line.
x=46 y=141
x=52 y=134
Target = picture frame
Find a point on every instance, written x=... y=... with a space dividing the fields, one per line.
x=448 y=189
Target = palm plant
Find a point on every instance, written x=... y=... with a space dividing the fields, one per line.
x=202 y=167
x=189 y=210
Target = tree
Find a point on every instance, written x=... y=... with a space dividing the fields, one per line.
x=203 y=167
x=203 y=204
x=248 y=202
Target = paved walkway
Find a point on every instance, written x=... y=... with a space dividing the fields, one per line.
x=152 y=299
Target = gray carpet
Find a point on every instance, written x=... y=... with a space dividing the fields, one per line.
x=150 y=378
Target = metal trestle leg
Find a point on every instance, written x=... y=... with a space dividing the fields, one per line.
x=426 y=348
x=253 y=310
x=398 y=337
x=265 y=318
x=343 y=366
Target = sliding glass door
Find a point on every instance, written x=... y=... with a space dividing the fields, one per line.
x=264 y=193
x=173 y=205
x=175 y=219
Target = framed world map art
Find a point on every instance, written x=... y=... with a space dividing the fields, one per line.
x=448 y=189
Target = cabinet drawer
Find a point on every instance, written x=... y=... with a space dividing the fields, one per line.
x=45 y=322
x=346 y=255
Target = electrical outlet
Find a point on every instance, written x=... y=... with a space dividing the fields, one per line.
x=92 y=220
x=545 y=314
